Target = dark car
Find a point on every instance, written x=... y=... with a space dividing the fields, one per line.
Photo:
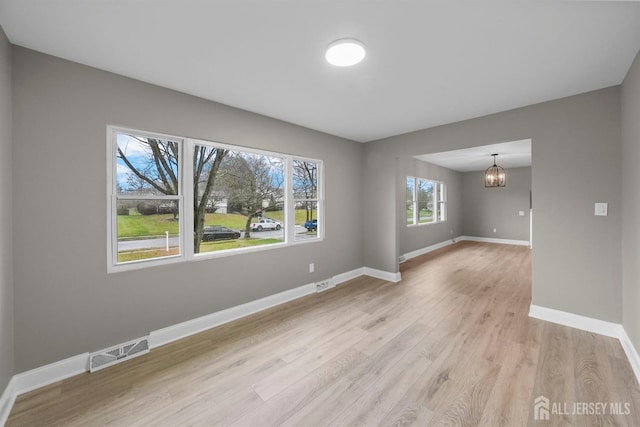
x=218 y=232
x=311 y=225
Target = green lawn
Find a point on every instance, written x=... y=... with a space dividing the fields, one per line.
x=146 y=225
x=140 y=254
x=235 y=244
x=137 y=255
x=157 y=225
x=426 y=215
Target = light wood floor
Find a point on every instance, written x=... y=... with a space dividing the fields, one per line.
x=449 y=345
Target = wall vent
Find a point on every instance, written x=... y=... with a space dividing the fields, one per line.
x=324 y=285
x=110 y=356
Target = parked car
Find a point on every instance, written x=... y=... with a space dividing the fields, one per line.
x=218 y=232
x=311 y=225
x=265 y=224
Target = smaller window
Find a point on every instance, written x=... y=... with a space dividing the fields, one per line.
x=305 y=199
x=426 y=201
x=442 y=202
x=411 y=196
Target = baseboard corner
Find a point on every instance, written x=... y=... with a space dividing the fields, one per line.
x=7 y=400
x=494 y=240
x=427 y=249
x=384 y=275
x=577 y=321
x=631 y=352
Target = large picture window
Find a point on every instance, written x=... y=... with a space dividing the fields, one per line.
x=163 y=190
x=426 y=201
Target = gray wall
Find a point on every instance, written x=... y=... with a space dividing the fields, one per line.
x=417 y=237
x=65 y=302
x=6 y=214
x=487 y=208
x=575 y=141
x=631 y=202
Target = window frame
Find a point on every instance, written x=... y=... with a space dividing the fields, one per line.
x=439 y=199
x=186 y=211
x=317 y=200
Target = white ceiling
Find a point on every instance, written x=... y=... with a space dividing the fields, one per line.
x=514 y=154
x=428 y=62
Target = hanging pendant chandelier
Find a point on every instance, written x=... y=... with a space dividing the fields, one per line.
x=495 y=176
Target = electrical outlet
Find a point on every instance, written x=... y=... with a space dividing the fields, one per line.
x=312 y=268
x=495 y=230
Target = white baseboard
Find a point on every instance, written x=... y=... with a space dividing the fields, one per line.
x=576 y=321
x=349 y=275
x=57 y=371
x=428 y=249
x=632 y=353
x=40 y=377
x=48 y=374
x=492 y=240
x=384 y=275
x=200 y=324
x=6 y=400
x=601 y=327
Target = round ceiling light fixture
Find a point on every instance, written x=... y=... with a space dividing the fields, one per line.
x=345 y=52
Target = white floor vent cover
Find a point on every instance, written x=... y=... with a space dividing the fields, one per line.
x=120 y=353
x=324 y=285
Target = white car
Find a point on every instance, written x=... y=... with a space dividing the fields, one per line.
x=265 y=224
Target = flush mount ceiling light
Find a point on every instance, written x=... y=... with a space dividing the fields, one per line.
x=495 y=176
x=345 y=52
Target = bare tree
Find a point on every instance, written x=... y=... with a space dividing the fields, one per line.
x=158 y=172
x=206 y=164
x=305 y=183
x=249 y=181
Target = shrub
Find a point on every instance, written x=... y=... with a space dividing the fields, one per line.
x=147 y=208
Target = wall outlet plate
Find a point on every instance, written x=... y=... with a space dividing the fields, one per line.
x=601 y=209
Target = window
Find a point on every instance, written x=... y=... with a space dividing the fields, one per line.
x=426 y=201
x=147 y=197
x=305 y=198
x=241 y=190
x=173 y=199
x=411 y=200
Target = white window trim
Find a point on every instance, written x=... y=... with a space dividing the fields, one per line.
x=318 y=200
x=436 y=201
x=186 y=193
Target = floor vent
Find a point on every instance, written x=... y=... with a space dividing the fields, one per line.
x=117 y=354
x=324 y=285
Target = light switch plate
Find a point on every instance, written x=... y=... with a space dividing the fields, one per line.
x=601 y=209
x=521 y=213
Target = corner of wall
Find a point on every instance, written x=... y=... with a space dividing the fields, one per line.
x=630 y=130
x=7 y=366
